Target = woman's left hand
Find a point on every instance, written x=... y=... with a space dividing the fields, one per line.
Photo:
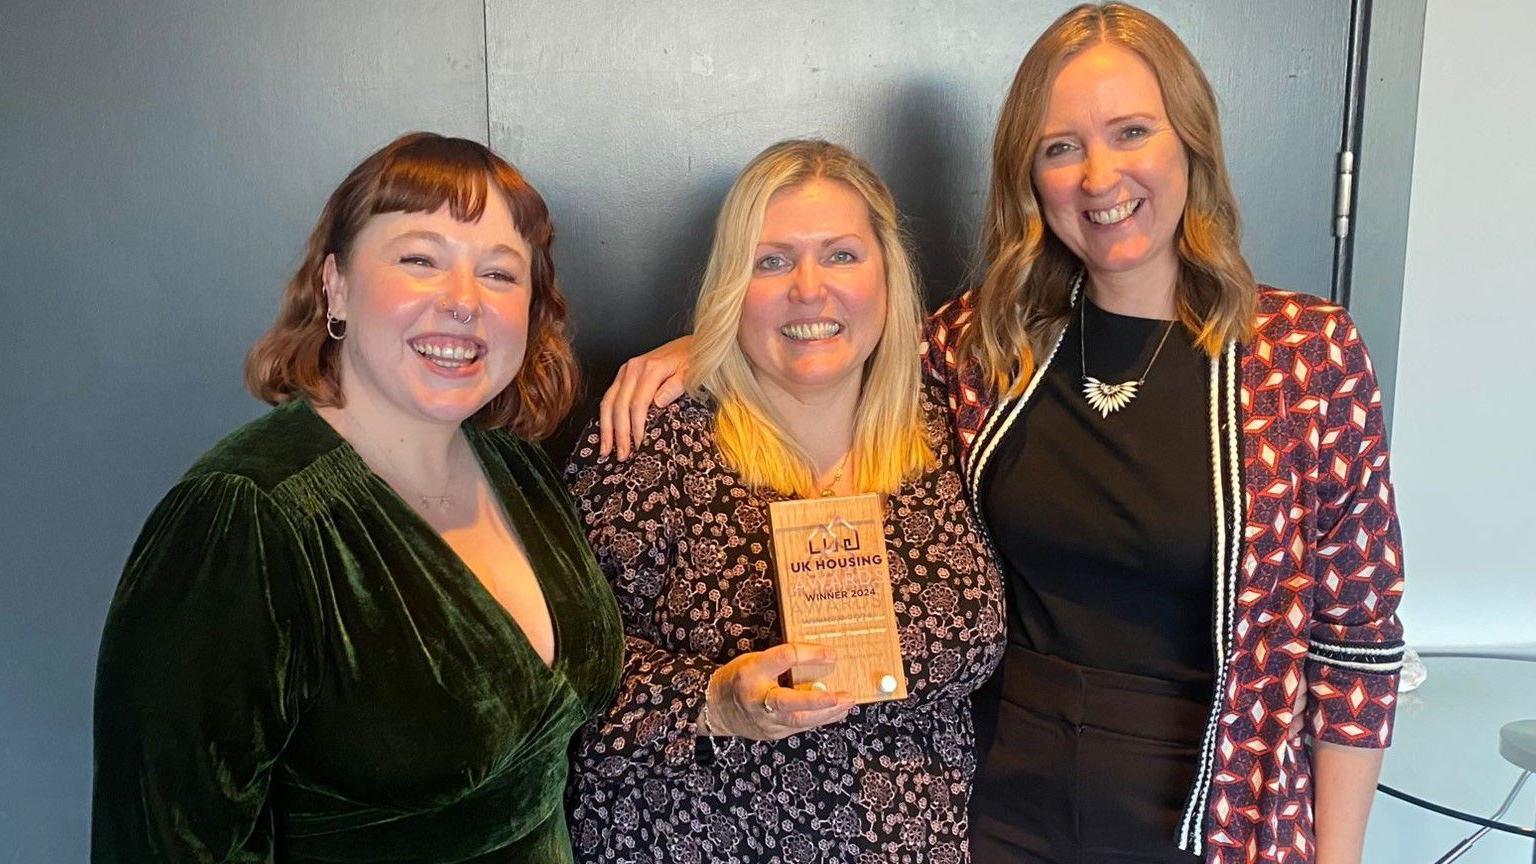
x=745 y=700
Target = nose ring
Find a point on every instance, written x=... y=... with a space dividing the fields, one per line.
x=462 y=318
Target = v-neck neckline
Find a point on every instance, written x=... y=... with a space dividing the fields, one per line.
x=503 y=487
x=519 y=520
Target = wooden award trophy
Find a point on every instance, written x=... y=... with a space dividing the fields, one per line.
x=835 y=590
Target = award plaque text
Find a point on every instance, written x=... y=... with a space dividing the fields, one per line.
x=835 y=590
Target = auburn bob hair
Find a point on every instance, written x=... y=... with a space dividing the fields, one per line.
x=419 y=173
x=1024 y=298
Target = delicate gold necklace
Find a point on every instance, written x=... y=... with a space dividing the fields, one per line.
x=830 y=489
x=442 y=502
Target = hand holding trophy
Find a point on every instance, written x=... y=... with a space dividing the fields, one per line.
x=835 y=590
x=746 y=701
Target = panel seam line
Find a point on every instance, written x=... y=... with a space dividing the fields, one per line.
x=485 y=45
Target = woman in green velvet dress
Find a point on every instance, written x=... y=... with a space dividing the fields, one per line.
x=364 y=626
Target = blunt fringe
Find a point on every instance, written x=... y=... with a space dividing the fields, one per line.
x=1024 y=297
x=419 y=173
x=890 y=442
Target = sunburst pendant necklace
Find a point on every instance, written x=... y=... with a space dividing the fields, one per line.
x=1109 y=398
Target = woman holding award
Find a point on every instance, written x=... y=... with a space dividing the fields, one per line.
x=804 y=383
x=1185 y=477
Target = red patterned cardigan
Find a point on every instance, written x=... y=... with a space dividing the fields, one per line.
x=1309 y=561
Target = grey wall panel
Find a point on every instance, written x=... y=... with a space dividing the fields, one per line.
x=1384 y=182
x=163 y=161
x=633 y=118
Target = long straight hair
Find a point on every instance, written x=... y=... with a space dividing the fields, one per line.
x=1024 y=298
x=890 y=441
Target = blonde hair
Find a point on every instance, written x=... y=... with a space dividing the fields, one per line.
x=890 y=441
x=1024 y=298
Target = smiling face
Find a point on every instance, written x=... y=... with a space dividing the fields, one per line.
x=436 y=312
x=815 y=307
x=1111 y=174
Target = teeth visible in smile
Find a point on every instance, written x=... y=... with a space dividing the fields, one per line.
x=1118 y=213
x=811 y=330
x=464 y=353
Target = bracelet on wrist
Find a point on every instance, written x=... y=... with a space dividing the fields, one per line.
x=701 y=728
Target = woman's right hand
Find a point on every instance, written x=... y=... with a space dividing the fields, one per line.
x=653 y=378
x=746 y=701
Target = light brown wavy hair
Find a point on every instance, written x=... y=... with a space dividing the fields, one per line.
x=1024 y=298
x=419 y=173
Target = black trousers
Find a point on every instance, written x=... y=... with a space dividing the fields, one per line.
x=1082 y=766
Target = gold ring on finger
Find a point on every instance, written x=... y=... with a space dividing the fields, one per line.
x=768 y=706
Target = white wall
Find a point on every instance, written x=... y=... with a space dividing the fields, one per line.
x=1465 y=417
x=1465 y=423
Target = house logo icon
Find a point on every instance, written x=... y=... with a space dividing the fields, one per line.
x=835 y=536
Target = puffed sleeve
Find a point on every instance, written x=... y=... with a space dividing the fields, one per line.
x=633 y=524
x=1356 y=649
x=200 y=678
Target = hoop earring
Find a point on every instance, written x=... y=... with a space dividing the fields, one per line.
x=330 y=327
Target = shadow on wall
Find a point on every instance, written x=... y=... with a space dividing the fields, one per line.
x=922 y=169
x=668 y=280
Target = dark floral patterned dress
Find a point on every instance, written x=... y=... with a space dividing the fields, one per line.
x=687 y=547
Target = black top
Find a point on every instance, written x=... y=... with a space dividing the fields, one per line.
x=1104 y=524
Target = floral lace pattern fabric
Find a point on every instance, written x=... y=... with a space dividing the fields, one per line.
x=687 y=548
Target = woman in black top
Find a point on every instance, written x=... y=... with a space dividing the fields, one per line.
x=1104 y=528
x=1140 y=714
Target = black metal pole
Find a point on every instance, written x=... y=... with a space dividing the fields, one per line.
x=1349 y=149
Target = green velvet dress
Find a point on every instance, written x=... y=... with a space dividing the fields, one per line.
x=297 y=668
